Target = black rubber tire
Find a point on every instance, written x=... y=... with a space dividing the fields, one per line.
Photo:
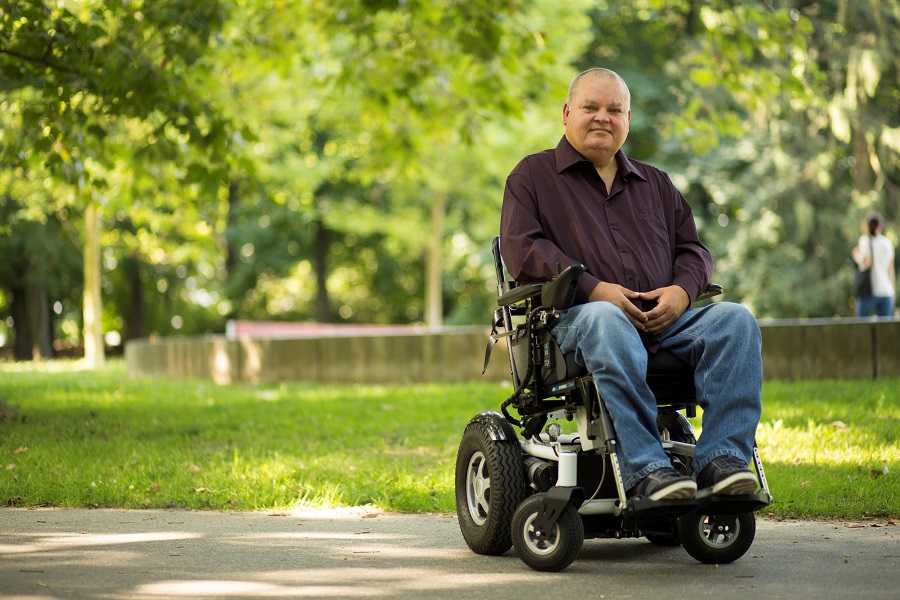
x=680 y=431
x=717 y=539
x=559 y=549
x=489 y=486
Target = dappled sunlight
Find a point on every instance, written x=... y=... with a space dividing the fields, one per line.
x=229 y=588
x=833 y=443
x=320 y=583
x=50 y=543
x=323 y=536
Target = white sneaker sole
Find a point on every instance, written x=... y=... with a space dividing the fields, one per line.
x=735 y=485
x=679 y=490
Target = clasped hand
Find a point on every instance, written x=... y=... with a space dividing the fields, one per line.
x=671 y=302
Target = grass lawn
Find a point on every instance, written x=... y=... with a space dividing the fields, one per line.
x=76 y=438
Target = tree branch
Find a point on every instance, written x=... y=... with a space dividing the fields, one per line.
x=40 y=61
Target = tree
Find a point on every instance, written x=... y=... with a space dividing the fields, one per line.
x=97 y=65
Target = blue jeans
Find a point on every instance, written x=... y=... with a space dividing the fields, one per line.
x=883 y=306
x=721 y=341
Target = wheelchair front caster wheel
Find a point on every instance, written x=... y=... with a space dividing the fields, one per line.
x=717 y=539
x=553 y=550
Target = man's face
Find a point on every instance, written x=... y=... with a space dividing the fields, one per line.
x=597 y=117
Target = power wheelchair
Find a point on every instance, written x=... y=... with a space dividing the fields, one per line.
x=543 y=491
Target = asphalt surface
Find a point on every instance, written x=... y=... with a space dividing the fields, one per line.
x=360 y=553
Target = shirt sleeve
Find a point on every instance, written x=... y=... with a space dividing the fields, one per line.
x=693 y=264
x=865 y=247
x=527 y=252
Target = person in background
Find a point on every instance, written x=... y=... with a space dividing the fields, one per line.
x=876 y=252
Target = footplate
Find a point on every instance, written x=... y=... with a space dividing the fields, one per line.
x=644 y=508
x=724 y=504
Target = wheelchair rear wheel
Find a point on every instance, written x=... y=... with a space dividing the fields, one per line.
x=489 y=487
x=551 y=552
x=717 y=539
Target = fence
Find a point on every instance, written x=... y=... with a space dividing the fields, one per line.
x=815 y=349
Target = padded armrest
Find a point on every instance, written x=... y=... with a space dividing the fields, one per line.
x=558 y=292
x=520 y=293
x=713 y=289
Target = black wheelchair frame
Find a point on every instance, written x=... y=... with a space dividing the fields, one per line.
x=544 y=491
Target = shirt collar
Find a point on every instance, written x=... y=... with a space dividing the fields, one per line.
x=566 y=156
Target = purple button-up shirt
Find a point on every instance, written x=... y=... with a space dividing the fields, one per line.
x=641 y=235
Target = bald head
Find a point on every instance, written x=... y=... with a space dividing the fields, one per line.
x=601 y=73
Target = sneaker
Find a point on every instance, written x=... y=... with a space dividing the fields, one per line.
x=727 y=475
x=665 y=484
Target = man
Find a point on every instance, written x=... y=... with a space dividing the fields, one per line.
x=586 y=202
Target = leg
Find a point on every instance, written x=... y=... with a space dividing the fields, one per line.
x=608 y=345
x=864 y=306
x=723 y=343
x=884 y=306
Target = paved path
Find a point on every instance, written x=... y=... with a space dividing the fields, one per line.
x=150 y=554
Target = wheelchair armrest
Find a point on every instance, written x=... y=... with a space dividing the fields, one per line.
x=713 y=289
x=560 y=293
x=520 y=293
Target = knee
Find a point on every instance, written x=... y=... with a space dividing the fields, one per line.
x=740 y=321
x=605 y=316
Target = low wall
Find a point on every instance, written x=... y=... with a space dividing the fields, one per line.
x=831 y=349
x=412 y=358
x=815 y=349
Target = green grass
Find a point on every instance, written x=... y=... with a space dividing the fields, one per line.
x=77 y=438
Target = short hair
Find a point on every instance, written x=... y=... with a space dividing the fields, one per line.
x=600 y=72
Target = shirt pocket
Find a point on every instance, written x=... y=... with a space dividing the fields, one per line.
x=651 y=221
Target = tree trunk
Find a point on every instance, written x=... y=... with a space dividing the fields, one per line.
x=321 y=243
x=135 y=313
x=38 y=308
x=22 y=334
x=231 y=252
x=434 y=271
x=94 y=355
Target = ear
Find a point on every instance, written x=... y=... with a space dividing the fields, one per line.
x=566 y=112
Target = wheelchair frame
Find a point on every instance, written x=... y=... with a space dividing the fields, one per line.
x=530 y=492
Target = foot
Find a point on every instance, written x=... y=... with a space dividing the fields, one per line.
x=726 y=475
x=664 y=484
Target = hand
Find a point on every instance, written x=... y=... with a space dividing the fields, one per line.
x=621 y=297
x=671 y=302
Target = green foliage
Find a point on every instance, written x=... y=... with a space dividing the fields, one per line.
x=831 y=448
x=303 y=160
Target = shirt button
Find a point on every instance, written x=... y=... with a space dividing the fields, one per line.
x=623 y=250
x=616 y=227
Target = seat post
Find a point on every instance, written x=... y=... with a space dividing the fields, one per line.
x=503 y=286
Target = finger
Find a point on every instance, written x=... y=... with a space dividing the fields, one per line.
x=633 y=312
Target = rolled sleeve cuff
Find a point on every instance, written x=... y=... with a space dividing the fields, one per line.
x=689 y=285
x=586 y=285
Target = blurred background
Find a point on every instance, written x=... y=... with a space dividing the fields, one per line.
x=169 y=166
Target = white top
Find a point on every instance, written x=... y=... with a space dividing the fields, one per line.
x=884 y=255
